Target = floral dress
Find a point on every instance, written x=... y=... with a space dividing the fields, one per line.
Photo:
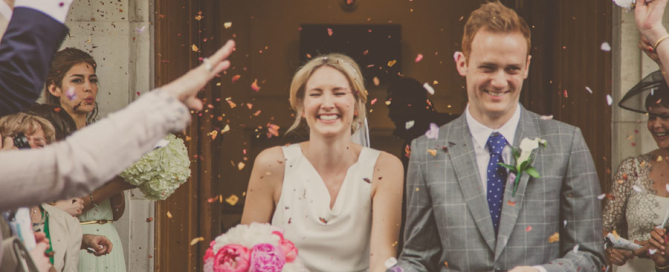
x=633 y=202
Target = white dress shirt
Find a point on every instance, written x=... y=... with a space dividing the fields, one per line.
x=481 y=133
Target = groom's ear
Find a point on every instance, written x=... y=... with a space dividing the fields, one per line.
x=460 y=63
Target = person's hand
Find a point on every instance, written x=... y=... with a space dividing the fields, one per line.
x=98 y=243
x=642 y=252
x=7 y=144
x=187 y=86
x=648 y=17
x=618 y=256
x=524 y=269
x=38 y=253
x=73 y=206
x=647 y=48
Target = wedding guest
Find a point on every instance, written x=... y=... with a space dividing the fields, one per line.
x=648 y=18
x=337 y=201
x=72 y=84
x=466 y=210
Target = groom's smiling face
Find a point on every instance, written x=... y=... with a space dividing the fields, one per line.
x=495 y=70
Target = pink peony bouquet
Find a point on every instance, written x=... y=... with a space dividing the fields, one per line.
x=253 y=248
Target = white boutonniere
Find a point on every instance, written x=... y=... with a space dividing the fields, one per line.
x=523 y=160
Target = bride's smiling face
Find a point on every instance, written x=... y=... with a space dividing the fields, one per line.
x=329 y=103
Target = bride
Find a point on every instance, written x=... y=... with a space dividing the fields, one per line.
x=339 y=202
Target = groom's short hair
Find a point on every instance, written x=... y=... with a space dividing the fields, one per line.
x=496 y=18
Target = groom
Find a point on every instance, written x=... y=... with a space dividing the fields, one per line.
x=462 y=212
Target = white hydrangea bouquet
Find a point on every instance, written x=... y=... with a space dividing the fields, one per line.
x=253 y=248
x=160 y=172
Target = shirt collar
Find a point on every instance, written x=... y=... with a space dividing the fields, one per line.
x=481 y=133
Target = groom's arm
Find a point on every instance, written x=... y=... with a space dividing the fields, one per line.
x=581 y=210
x=421 y=239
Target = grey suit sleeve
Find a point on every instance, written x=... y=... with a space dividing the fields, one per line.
x=581 y=210
x=421 y=240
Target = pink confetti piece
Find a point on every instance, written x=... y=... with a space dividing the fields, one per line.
x=546 y=117
x=419 y=57
x=330 y=32
x=609 y=99
x=373 y=102
x=255 y=86
x=137 y=93
x=566 y=95
x=528 y=229
x=235 y=78
x=606 y=47
x=428 y=88
x=588 y=89
x=433 y=132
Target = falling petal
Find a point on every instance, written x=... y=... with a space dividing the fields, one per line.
x=667 y=187
x=232 y=200
x=433 y=132
x=528 y=229
x=330 y=32
x=373 y=102
x=511 y=203
x=564 y=223
x=409 y=124
x=195 y=49
x=588 y=89
x=196 y=240
x=609 y=99
x=235 y=78
x=428 y=88
x=255 y=86
x=554 y=238
x=169 y=215
x=227 y=25
x=602 y=196
x=225 y=129
x=241 y=165
x=432 y=152
x=140 y=29
x=566 y=95
x=272 y=130
x=376 y=81
x=606 y=47
x=419 y=57
x=547 y=117
x=391 y=63
x=390 y=262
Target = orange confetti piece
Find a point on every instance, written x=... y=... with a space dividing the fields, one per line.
x=57 y=109
x=257 y=113
x=419 y=57
x=625 y=176
x=554 y=238
x=169 y=215
x=511 y=203
x=445 y=264
x=196 y=240
x=149 y=219
x=213 y=134
x=199 y=17
x=232 y=104
x=376 y=81
x=255 y=86
x=241 y=165
x=235 y=78
x=391 y=63
x=323 y=220
x=365 y=53
x=227 y=25
x=272 y=130
x=232 y=200
x=249 y=105
x=195 y=49
x=330 y=32
x=432 y=152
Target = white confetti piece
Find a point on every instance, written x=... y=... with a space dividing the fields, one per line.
x=609 y=99
x=390 y=262
x=602 y=196
x=652 y=251
x=576 y=249
x=624 y=3
x=428 y=88
x=140 y=29
x=667 y=187
x=606 y=47
x=588 y=89
x=637 y=188
x=564 y=223
x=227 y=25
x=409 y=124
x=547 y=117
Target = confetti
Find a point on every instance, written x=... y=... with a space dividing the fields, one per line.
x=232 y=104
x=625 y=176
x=232 y=200
x=419 y=57
x=367 y=180
x=659 y=158
x=407 y=151
x=140 y=29
x=511 y=203
x=391 y=63
x=566 y=95
x=195 y=49
x=602 y=196
x=227 y=25
x=528 y=229
x=609 y=99
x=652 y=251
x=330 y=32
x=241 y=165
x=667 y=187
x=388 y=103
x=409 y=124
x=57 y=109
x=588 y=89
x=272 y=130
x=213 y=134
x=547 y=117
x=196 y=240
x=255 y=86
x=376 y=81
x=390 y=262
x=373 y=102
x=554 y=238
x=323 y=220
x=564 y=223
x=433 y=132
x=149 y=219
x=606 y=47
x=432 y=152
x=417 y=189
x=445 y=264
x=576 y=249
x=636 y=188
x=70 y=94
x=428 y=88
x=225 y=129
x=199 y=17
x=235 y=78
x=169 y=215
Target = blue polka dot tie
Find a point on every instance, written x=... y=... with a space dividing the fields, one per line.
x=496 y=178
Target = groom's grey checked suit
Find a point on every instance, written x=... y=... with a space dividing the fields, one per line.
x=448 y=224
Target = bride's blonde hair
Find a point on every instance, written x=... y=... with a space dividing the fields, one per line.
x=341 y=63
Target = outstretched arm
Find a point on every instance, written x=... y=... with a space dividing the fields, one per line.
x=648 y=18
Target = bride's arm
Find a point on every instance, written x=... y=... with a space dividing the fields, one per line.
x=264 y=186
x=387 y=188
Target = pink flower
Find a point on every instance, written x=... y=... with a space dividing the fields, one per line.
x=266 y=258
x=210 y=251
x=232 y=258
x=287 y=247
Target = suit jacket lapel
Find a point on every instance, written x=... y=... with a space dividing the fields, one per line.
x=463 y=158
x=527 y=128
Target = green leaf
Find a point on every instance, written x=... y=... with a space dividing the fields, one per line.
x=532 y=172
x=524 y=165
x=507 y=166
x=515 y=151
